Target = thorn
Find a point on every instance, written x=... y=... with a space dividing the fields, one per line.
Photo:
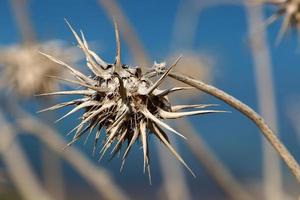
x=118 y=43
x=160 y=80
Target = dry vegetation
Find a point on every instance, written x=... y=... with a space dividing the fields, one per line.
x=124 y=105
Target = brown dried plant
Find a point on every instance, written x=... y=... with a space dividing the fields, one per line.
x=125 y=101
x=24 y=70
x=289 y=10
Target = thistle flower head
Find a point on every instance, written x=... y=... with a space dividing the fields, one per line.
x=125 y=101
x=25 y=70
x=289 y=10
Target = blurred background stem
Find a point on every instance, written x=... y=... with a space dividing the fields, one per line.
x=21 y=13
x=17 y=166
x=219 y=173
x=51 y=165
x=266 y=100
x=94 y=175
x=130 y=36
x=175 y=187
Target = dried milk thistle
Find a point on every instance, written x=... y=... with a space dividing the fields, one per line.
x=125 y=101
x=289 y=10
x=25 y=71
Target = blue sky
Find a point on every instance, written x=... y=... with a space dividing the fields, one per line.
x=221 y=35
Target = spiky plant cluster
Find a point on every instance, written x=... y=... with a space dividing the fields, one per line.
x=125 y=101
x=25 y=71
x=289 y=10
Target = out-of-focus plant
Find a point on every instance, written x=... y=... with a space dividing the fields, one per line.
x=289 y=10
x=25 y=71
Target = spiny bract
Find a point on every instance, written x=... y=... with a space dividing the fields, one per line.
x=289 y=9
x=124 y=101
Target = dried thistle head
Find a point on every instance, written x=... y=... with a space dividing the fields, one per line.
x=125 y=101
x=25 y=71
x=289 y=10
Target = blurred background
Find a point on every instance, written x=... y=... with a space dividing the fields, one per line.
x=224 y=43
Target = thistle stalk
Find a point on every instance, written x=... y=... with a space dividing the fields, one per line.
x=266 y=101
x=251 y=114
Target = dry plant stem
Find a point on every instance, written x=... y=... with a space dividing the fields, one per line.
x=248 y=112
x=185 y=25
x=17 y=166
x=23 y=20
x=174 y=185
x=266 y=99
x=130 y=36
x=97 y=177
x=294 y=115
x=52 y=172
x=189 y=11
x=212 y=165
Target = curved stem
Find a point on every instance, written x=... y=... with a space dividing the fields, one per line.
x=267 y=106
x=250 y=113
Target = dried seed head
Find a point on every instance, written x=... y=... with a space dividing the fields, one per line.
x=25 y=70
x=289 y=9
x=124 y=101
